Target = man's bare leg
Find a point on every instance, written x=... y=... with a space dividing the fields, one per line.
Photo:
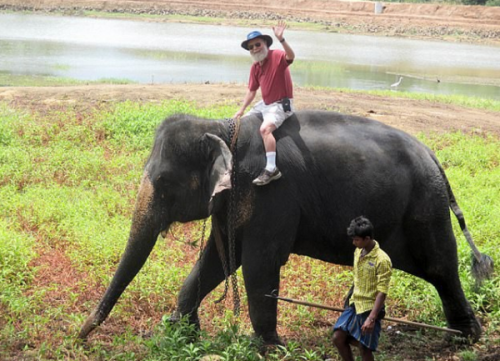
x=366 y=353
x=341 y=340
x=266 y=131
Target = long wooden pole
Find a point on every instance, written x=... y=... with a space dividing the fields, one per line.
x=337 y=309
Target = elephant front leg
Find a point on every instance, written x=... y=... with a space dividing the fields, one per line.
x=266 y=246
x=260 y=280
x=207 y=274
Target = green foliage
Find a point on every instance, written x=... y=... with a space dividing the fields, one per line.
x=461 y=100
x=182 y=341
x=134 y=123
x=472 y=164
x=7 y=118
x=16 y=251
x=7 y=79
x=68 y=182
x=474 y=2
x=468 y=356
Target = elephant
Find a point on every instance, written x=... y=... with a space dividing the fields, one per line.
x=335 y=167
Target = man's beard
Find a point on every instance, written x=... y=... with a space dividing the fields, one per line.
x=261 y=55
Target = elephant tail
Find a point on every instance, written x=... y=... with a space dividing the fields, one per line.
x=482 y=264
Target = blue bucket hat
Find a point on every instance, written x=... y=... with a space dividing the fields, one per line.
x=254 y=35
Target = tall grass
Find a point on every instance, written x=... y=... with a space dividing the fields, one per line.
x=68 y=181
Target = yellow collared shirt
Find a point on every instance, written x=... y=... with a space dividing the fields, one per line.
x=372 y=274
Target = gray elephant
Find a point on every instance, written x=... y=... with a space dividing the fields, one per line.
x=335 y=167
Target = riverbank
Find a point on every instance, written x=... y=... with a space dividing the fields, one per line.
x=471 y=24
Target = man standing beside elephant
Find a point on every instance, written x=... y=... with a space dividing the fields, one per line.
x=270 y=72
x=359 y=324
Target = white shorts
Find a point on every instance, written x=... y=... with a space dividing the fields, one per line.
x=273 y=112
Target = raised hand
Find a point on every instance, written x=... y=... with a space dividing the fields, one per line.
x=279 y=29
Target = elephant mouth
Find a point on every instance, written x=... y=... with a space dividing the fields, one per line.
x=164 y=233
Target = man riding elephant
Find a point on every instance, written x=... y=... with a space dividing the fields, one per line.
x=335 y=168
x=270 y=72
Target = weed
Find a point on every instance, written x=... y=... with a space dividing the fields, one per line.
x=468 y=355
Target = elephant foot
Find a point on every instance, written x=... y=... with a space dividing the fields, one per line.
x=470 y=332
x=184 y=324
x=174 y=318
x=268 y=345
x=177 y=317
x=269 y=339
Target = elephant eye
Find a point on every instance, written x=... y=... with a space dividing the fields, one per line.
x=169 y=180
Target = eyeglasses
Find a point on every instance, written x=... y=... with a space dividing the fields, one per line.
x=256 y=45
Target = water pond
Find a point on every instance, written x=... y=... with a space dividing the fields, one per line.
x=144 y=52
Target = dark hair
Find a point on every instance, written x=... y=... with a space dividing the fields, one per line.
x=360 y=227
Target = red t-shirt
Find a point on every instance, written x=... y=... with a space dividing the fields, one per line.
x=273 y=77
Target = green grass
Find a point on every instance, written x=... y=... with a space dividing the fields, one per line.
x=45 y=80
x=460 y=100
x=153 y=17
x=68 y=182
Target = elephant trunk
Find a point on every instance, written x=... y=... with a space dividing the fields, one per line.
x=143 y=234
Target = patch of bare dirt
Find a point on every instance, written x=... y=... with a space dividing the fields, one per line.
x=413 y=116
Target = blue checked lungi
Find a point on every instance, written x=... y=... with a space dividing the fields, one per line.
x=351 y=323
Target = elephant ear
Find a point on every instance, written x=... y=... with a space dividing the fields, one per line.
x=222 y=165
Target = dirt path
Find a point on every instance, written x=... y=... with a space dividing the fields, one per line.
x=475 y=24
x=413 y=116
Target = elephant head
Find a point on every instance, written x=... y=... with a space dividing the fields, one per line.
x=184 y=176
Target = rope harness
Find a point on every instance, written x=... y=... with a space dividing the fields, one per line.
x=232 y=216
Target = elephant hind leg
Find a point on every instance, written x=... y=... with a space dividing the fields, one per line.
x=457 y=309
x=434 y=251
x=443 y=275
